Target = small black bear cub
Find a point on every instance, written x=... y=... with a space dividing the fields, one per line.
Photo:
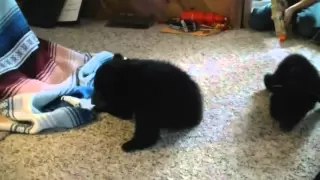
x=156 y=94
x=295 y=91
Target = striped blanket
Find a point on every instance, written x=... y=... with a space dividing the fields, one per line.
x=30 y=113
x=52 y=74
x=49 y=67
x=17 y=41
x=40 y=81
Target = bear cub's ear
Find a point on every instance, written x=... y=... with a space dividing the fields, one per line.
x=117 y=57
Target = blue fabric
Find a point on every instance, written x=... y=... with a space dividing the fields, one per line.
x=88 y=71
x=77 y=92
x=17 y=41
x=308 y=22
x=260 y=19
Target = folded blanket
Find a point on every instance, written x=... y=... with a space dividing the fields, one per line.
x=31 y=113
x=17 y=41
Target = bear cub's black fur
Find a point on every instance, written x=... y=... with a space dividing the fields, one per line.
x=295 y=90
x=156 y=94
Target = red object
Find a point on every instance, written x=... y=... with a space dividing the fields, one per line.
x=208 y=18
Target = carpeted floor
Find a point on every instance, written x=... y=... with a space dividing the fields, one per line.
x=237 y=139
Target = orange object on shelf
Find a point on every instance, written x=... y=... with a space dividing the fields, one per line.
x=207 y=18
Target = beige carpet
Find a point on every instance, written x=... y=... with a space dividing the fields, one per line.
x=237 y=139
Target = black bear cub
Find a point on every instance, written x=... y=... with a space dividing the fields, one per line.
x=156 y=94
x=295 y=90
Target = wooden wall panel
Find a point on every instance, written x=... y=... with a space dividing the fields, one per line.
x=246 y=12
